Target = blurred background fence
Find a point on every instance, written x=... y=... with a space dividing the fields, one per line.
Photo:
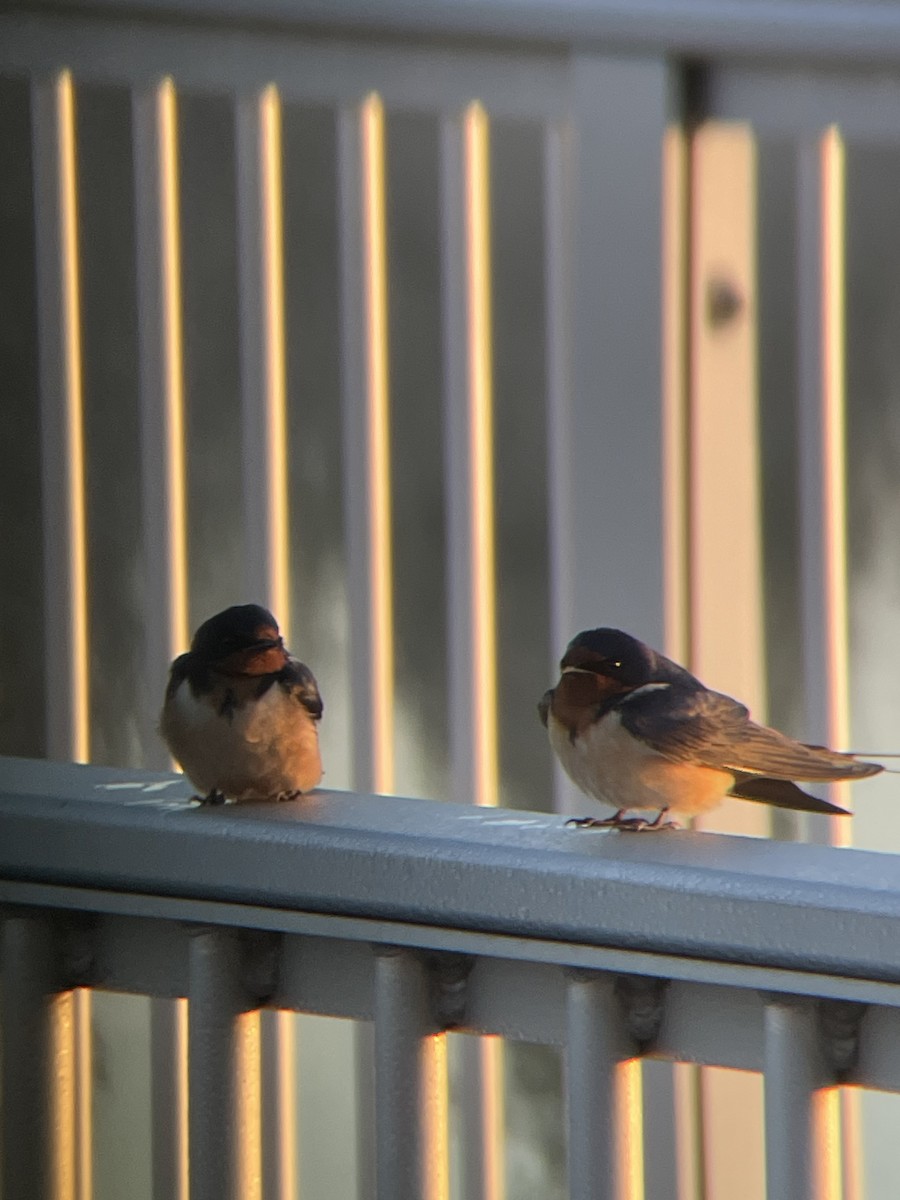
x=448 y=330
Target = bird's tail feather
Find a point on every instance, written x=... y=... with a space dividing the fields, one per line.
x=783 y=794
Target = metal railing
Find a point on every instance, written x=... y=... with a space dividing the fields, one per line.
x=424 y=917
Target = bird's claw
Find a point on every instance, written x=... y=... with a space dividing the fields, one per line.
x=213 y=797
x=642 y=825
x=594 y=822
x=626 y=824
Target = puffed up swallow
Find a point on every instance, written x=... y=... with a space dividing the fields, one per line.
x=635 y=730
x=241 y=715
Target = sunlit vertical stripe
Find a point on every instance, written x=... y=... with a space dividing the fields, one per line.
x=279 y=1104
x=437 y=1119
x=379 y=513
x=261 y=264
x=675 y=432
x=822 y=334
x=158 y=253
x=65 y=557
x=248 y=1093
x=481 y=451
x=161 y=371
x=842 y=1114
x=834 y=490
x=63 y=1173
x=630 y=1134
x=173 y=463
x=366 y=464
x=486 y=1084
x=63 y=419
x=828 y=1183
x=676 y=223
x=366 y=420
x=466 y=298
x=265 y=455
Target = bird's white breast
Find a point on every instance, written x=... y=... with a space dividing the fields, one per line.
x=606 y=762
x=267 y=746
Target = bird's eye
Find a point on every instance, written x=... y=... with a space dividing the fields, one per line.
x=617 y=663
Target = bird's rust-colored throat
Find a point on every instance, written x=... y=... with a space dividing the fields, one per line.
x=579 y=694
x=267 y=657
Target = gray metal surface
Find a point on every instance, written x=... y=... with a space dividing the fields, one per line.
x=222 y=1128
x=857 y=31
x=525 y=874
x=594 y=1048
x=168 y=1098
x=609 y=439
x=790 y=1080
x=410 y=1116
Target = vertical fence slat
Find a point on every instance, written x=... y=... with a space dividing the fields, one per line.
x=410 y=1084
x=366 y=432
x=823 y=513
x=823 y=502
x=31 y=1130
x=465 y=218
x=261 y=259
x=63 y=498
x=161 y=387
x=164 y=533
x=558 y=234
x=604 y=283
x=366 y=439
x=472 y=652
x=789 y=1081
x=603 y=1102
x=265 y=483
x=223 y=1057
x=62 y=449
x=168 y=1098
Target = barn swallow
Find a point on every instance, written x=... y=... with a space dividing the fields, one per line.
x=635 y=730
x=240 y=714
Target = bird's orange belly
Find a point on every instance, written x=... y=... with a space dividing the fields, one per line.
x=606 y=762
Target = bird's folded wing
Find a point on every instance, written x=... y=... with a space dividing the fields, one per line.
x=295 y=677
x=685 y=724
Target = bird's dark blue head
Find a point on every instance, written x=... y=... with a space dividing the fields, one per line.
x=614 y=655
x=236 y=630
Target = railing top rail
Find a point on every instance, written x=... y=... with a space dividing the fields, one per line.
x=848 y=31
x=734 y=899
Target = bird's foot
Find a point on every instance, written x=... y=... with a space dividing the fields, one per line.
x=642 y=825
x=627 y=824
x=612 y=822
x=211 y=798
x=294 y=795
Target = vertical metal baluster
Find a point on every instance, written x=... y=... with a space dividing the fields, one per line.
x=466 y=283
x=223 y=1056
x=823 y=507
x=823 y=515
x=605 y=1151
x=410 y=1083
x=64 y=521
x=789 y=1081
x=265 y=451
x=34 y=1156
x=558 y=234
x=685 y=1077
x=165 y=548
x=366 y=432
